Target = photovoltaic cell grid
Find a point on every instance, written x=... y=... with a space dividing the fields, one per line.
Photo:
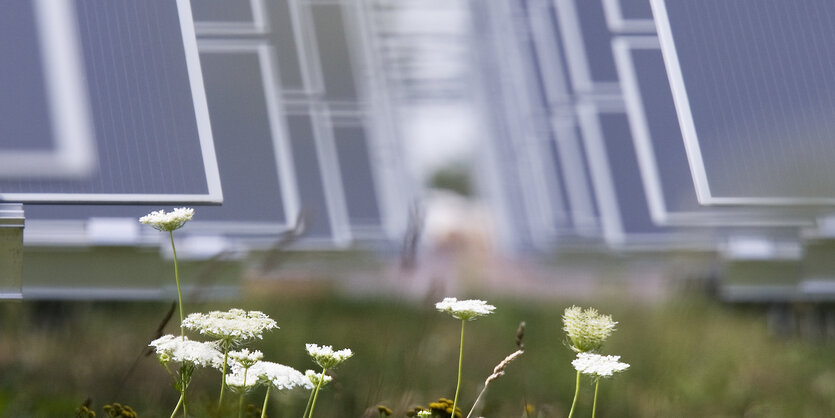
x=152 y=137
x=285 y=145
x=44 y=115
x=753 y=86
x=661 y=151
x=619 y=187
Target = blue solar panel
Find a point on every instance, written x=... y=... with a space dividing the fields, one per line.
x=147 y=107
x=618 y=184
x=753 y=86
x=660 y=148
x=629 y=16
x=44 y=111
x=587 y=43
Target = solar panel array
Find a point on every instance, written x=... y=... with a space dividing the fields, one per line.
x=600 y=76
x=753 y=88
x=296 y=122
x=118 y=108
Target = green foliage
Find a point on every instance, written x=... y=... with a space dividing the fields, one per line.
x=690 y=359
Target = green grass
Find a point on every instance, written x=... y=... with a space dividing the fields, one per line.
x=689 y=357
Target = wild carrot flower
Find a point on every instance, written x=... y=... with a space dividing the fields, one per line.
x=314 y=378
x=232 y=327
x=281 y=377
x=174 y=349
x=189 y=354
x=235 y=325
x=587 y=329
x=465 y=310
x=326 y=357
x=598 y=366
x=167 y=222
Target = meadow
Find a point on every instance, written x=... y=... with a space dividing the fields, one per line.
x=690 y=356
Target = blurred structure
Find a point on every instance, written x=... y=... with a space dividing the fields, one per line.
x=605 y=126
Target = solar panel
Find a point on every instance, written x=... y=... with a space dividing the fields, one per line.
x=661 y=152
x=629 y=16
x=45 y=122
x=147 y=106
x=753 y=91
x=618 y=186
x=587 y=42
x=283 y=149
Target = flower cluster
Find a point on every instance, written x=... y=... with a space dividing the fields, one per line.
x=182 y=350
x=244 y=358
x=465 y=310
x=170 y=221
x=234 y=325
x=587 y=329
x=314 y=378
x=598 y=366
x=325 y=357
x=280 y=376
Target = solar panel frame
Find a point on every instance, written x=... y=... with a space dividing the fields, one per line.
x=662 y=213
x=74 y=153
x=691 y=138
x=618 y=22
x=213 y=193
x=608 y=196
x=577 y=54
x=259 y=24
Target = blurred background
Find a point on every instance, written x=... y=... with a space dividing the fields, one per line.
x=351 y=162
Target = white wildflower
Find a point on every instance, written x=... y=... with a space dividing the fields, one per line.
x=176 y=349
x=424 y=413
x=313 y=378
x=244 y=358
x=587 y=329
x=280 y=376
x=597 y=365
x=234 y=325
x=242 y=380
x=170 y=221
x=466 y=310
x=325 y=357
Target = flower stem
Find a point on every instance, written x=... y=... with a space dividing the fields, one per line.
x=460 y=361
x=316 y=393
x=177 y=279
x=223 y=373
x=266 y=398
x=594 y=405
x=477 y=399
x=241 y=404
x=576 y=392
x=309 y=401
x=180 y=402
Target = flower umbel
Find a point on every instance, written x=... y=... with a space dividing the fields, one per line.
x=280 y=376
x=465 y=310
x=314 y=378
x=235 y=325
x=170 y=348
x=170 y=221
x=326 y=357
x=587 y=329
x=598 y=366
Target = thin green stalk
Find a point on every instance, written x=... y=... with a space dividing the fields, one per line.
x=309 y=401
x=266 y=398
x=223 y=373
x=316 y=394
x=243 y=392
x=576 y=392
x=180 y=402
x=460 y=361
x=177 y=279
x=594 y=405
